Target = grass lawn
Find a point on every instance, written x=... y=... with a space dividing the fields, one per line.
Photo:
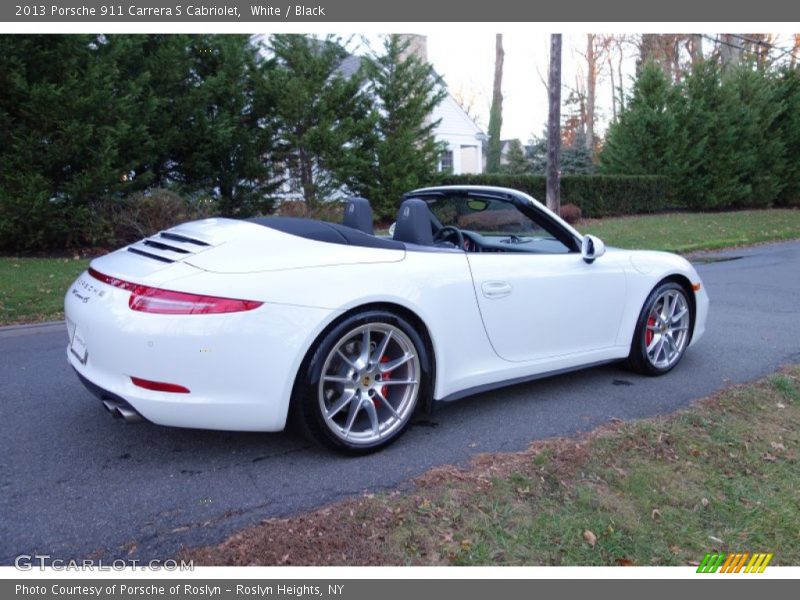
x=32 y=289
x=689 y=232
x=718 y=476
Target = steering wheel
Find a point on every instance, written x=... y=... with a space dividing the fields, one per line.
x=443 y=233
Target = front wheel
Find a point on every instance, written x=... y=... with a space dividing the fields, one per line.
x=662 y=332
x=363 y=383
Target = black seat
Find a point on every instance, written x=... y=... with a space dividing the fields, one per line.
x=358 y=214
x=414 y=224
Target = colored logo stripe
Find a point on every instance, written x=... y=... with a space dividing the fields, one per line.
x=734 y=563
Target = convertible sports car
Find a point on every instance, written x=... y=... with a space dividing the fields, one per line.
x=247 y=324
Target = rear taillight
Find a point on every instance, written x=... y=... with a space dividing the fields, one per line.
x=167 y=302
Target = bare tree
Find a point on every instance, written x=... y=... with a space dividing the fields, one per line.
x=696 y=48
x=795 y=51
x=664 y=50
x=730 y=49
x=468 y=98
x=612 y=51
x=554 y=126
x=593 y=56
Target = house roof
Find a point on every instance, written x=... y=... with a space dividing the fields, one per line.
x=349 y=66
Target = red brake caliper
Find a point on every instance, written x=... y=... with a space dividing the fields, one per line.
x=648 y=335
x=385 y=388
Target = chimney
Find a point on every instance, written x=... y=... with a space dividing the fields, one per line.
x=417 y=45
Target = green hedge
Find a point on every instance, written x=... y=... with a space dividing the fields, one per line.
x=596 y=195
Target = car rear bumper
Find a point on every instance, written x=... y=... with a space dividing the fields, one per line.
x=239 y=368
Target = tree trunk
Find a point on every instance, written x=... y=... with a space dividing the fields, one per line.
x=613 y=87
x=620 y=60
x=496 y=113
x=696 y=48
x=730 y=49
x=554 y=127
x=591 y=88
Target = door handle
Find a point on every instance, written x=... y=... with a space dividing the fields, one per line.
x=496 y=289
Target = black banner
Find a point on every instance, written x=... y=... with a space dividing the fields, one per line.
x=355 y=11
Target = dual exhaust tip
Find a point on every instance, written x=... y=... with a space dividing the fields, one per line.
x=122 y=410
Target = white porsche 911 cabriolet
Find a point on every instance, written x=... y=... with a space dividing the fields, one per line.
x=246 y=324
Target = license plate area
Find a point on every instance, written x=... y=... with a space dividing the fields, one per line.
x=77 y=345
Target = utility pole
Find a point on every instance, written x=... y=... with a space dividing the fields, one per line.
x=554 y=127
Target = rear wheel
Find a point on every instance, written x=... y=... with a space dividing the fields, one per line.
x=662 y=332
x=363 y=383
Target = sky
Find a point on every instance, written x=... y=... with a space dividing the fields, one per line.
x=466 y=63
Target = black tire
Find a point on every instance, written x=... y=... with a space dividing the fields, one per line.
x=639 y=359
x=309 y=398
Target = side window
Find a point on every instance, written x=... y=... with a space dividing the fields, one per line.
x=495 y=226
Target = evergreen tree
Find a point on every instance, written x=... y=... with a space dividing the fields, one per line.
x=759 y=147
x=787 y=123
x=516 y=161
x=640 y=142
x=576 y=159
x=324 y=118
x=60 y=139
x=226 y=132
x=406 y=155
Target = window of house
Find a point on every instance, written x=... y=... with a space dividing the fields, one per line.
x=446 y=162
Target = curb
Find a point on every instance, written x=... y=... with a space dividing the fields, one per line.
x=30 y=328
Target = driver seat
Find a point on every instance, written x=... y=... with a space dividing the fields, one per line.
x=413 y=224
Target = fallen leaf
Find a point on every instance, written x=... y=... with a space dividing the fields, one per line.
x=704 y=501
x=656 y=514
x=590 y=538
x=780 y=405
x=778 y=446
x=769 y=457
x=715 y=539
x=624 y=562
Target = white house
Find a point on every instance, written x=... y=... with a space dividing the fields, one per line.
x=460 y=134
x=463 y=137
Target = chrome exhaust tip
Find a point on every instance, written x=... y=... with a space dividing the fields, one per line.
x=129 y=414
x=111 y=407
x=120 y=410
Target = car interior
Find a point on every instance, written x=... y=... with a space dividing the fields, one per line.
x=417 y=228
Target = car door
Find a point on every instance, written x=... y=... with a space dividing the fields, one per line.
x=542 y=306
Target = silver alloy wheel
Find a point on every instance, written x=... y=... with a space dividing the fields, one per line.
x=667 y=330
x=369 y=384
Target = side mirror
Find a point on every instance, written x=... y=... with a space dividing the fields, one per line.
x=591 y=248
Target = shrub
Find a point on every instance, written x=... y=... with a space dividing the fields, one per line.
x=330 y=210
x=571 y=213
x=595 y=195
x=145 y=213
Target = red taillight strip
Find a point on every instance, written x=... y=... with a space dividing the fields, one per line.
x=159 y=386
x=167 y=302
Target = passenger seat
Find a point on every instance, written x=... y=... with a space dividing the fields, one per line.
x=358 y=215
